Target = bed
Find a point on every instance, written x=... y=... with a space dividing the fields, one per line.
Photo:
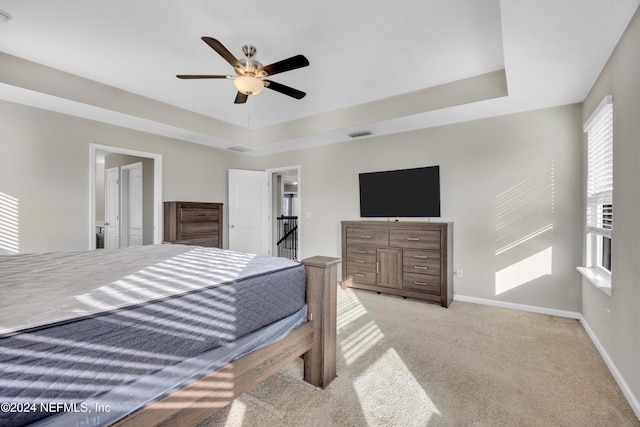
x=155 y=335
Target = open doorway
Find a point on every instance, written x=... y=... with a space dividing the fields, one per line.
x=135 y=205
x=263 y=211
x=285 y=229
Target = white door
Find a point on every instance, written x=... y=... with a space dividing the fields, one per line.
x=112 y=208
x=248 y=211
x=132 y=197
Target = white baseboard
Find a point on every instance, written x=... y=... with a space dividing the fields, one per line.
x=631 y=398
x=521 y=307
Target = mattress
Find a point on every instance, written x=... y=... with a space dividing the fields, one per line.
x=79 y=325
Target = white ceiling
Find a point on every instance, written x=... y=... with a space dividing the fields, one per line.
x=376 y=65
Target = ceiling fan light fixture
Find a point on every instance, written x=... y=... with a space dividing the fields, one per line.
x=251 y=74
x=248 y=85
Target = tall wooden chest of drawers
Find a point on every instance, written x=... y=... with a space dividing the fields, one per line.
x=193 y=223
x=411 y=259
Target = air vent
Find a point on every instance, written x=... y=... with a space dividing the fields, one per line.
x=360 y=133
x=239 y=148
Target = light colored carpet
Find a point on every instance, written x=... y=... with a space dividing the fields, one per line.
x=409 y=363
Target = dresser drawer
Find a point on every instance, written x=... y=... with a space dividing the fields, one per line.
x=423 y=262
x=361 y=255
x=197 y=229
x=415 y=239
x=361 y=274
x=367 y=236
x=191 y=214
x=193 y=223
x=210 y=241
x=421 y=283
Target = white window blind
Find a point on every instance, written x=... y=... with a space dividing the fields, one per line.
x=599 y=129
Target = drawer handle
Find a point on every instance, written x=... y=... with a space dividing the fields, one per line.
x=421 y=256
x=201 y=228
x=360 y=252
x=200 y=214
x=413 y=239
x=360 y=275
x=417 y=267
x=420 y=283
x=360 y=261
x=365 y=237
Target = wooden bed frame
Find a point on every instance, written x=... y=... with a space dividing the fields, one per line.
x=316 y=340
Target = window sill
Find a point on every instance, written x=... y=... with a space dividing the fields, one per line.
x=597 y=277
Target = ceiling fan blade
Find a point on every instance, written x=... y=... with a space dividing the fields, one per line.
x=222 y=51
x=241 y=98
x=286 y=90
x=202 y=76
x=288 y=64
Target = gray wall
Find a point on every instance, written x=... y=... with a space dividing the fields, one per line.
x=44 y=171
x=620 y=337
x=512 y=185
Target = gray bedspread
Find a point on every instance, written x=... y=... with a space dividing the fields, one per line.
x=157 y=313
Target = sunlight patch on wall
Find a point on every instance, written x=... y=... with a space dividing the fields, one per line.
x=525 y=211
x=9 y=225
x=525 y=226
x=527 y=270
x=381 y=407
x=525 y=239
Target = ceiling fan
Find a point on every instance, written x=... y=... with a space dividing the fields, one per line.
x=250 y=74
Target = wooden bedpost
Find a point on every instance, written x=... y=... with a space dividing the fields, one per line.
x=320 y=361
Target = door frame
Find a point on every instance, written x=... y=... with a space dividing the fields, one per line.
x=273 y=225
x=157 y=188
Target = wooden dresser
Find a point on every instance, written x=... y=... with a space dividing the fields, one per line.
x=193 y=223
x=411 y=259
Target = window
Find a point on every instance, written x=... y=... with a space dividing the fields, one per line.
x=604 y=255
x=599 y=201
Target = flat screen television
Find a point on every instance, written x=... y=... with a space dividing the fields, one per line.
x=401 y=193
